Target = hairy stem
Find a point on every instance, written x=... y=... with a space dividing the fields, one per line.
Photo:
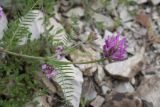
x=48 y=58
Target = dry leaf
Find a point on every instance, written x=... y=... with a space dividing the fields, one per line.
x=143 y=19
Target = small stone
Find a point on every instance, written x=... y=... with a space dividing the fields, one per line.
x=155 y=15
x=78 y=11
x=29 y=105
x=115 y=99
x=105 y=89
x=42 y=101
x=3 y=25
x=155 y=2
x=149 y=90
x=99 y=42
x=148 y=10
x=157 y=47
x=97 y=102
x=97 y=5
x=84 y=36
x=128 y=68
x=124 y=15
x=107 y=20
x=88 y=89
x=124 y=87
x=88 y=54
x=133 y=47
x=141 y=1
x=133 y=81
x=99 y=76
x=112 y=5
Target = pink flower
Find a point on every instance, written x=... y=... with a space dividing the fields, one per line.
x=114 y=48
x=1 y=11
x=49 y=70
x=59 y=52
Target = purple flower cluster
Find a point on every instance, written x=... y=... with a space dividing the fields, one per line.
x=59 y=52
x=114 y=48
x=1 y=12
x=49 y=70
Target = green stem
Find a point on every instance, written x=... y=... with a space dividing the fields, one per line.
x=48 y=58
x=22 y=55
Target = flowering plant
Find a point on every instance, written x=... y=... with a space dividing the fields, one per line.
x=114 y=48
x=19 y=63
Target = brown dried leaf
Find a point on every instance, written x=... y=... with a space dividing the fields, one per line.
x=143 y=19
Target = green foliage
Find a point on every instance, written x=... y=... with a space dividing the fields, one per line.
x=100 y=26
x=117 y=23
x=19 y=80
x=105 y=2
x=63 y=78
x=83 y=102
x=17 y=8
x=127 y=2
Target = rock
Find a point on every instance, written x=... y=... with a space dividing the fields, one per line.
x=110 y=34
x=88 y=54
x=97 y=102
x=133 y=81
x=88 y=90
x=127 y=25
x=35 y=27
x=128 y=68
x=84 y=36
x=97 y=5
x=141 y=1
x=148 y=10
x=122 y=100
x=155 y=2
x=29 y=105
x=124 y=15
x=124 y=87
x=100 y=75
x=57 y=15
x=155 y=15
x=51 y=87
x=107 y=33
x=105 y=89
x=138 y=31
x=80 y=26
x=61 y=36
x=149 y=90
x=78 y=11
x=64 y=6
x=111 y=8
x=42 y=101
x=147 y=104
x=98 y=43
x=106 y=20
x=133 y=47
x=101 y=41
x=157 y=47
x=113 y=5
x=76 y=82
x=3 y=25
